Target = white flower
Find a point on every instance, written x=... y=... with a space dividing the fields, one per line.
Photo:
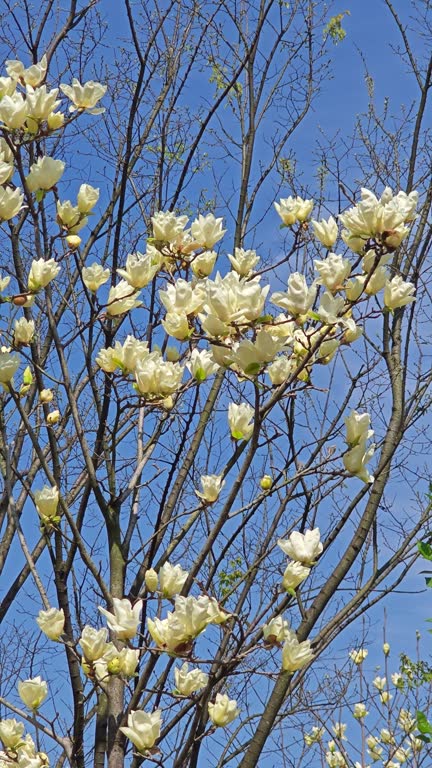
x=355 y=461
x=333 y=271
x=143 y=729
x=376 y=281
x=123 y=356
x=41 y=102
x=87 y=198
x=94 y=276
x=330 y=308
x=379 y=683
x=69 y=217
x=23 y=331
x=202 y=264
x=292 y=209
x=281 y=370
x=188 y=682
x=9 y=365
x=229 y=300
x=358 y=655
x=11 y=733
x=339 y=730
x=41 y=273
x=243 y=261
x=249 y=356
x=51 y=622
x=276 y=631
x=177 y=325
x=10 y=202
x=167 y=226
x=207 y=230
x=84 y=97
x=201 y=364
x=357 y=428
x=302 y=547
x=360 y=711
x=93 y=643
x=172 y=579
x=124 y=621
x=240 y=420
x=156 y=378
x=45 y=173
x=299 y=297
x=211 y=488
x=295 y=655
x=325 y=231
x=141 y=267
x=13 y=111
x=122 y=298
x=33 y=692
x=223 y=711
x=398 y=293
x=294 y=574
x=182 y=298
x=46 y=502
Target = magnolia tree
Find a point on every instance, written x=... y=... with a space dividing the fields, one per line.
x=197 y=441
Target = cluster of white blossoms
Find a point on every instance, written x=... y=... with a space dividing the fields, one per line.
x=19 y=748
x=394 y=745
x=303 y=548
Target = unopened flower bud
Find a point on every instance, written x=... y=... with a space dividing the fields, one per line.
x=73 y=241
x=266 y=482
x=151 y=579
x=53 y=417
x=386 y=649
x=46 y=395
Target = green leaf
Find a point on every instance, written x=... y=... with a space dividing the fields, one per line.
x=423 y=723
x=425 y=550
x=39 y=195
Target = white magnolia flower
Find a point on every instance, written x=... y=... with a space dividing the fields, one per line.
x=47 y=501
x=295 y=654
x=45 y=173
x=201 y=364
x=207 y=230
x=141 y=267
x=172 y=579
x=10 y=202
x=358 y=655
x=299 y=297
x=223 y=711
x=9 y=365
x=143 y=729
x=292 y=209
x=187 y=682
x=11 y=733
x=333 y=271
x=243 y=261
x=167 y=226
x=94 y=276
x=41 y=273
x=33 y=692
x=122 y=298
x=93 y=643
x=276 y=631
x=325 y=231
x=156 y=378
x=294 y=574
x=211 y=488
x=51 y=622
x=302 y=547
x=87 y=198
x=84 y=97
x=357 y=428
x=240 y=420
x=398 y=293
x=355 y=461
x=124 y=621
